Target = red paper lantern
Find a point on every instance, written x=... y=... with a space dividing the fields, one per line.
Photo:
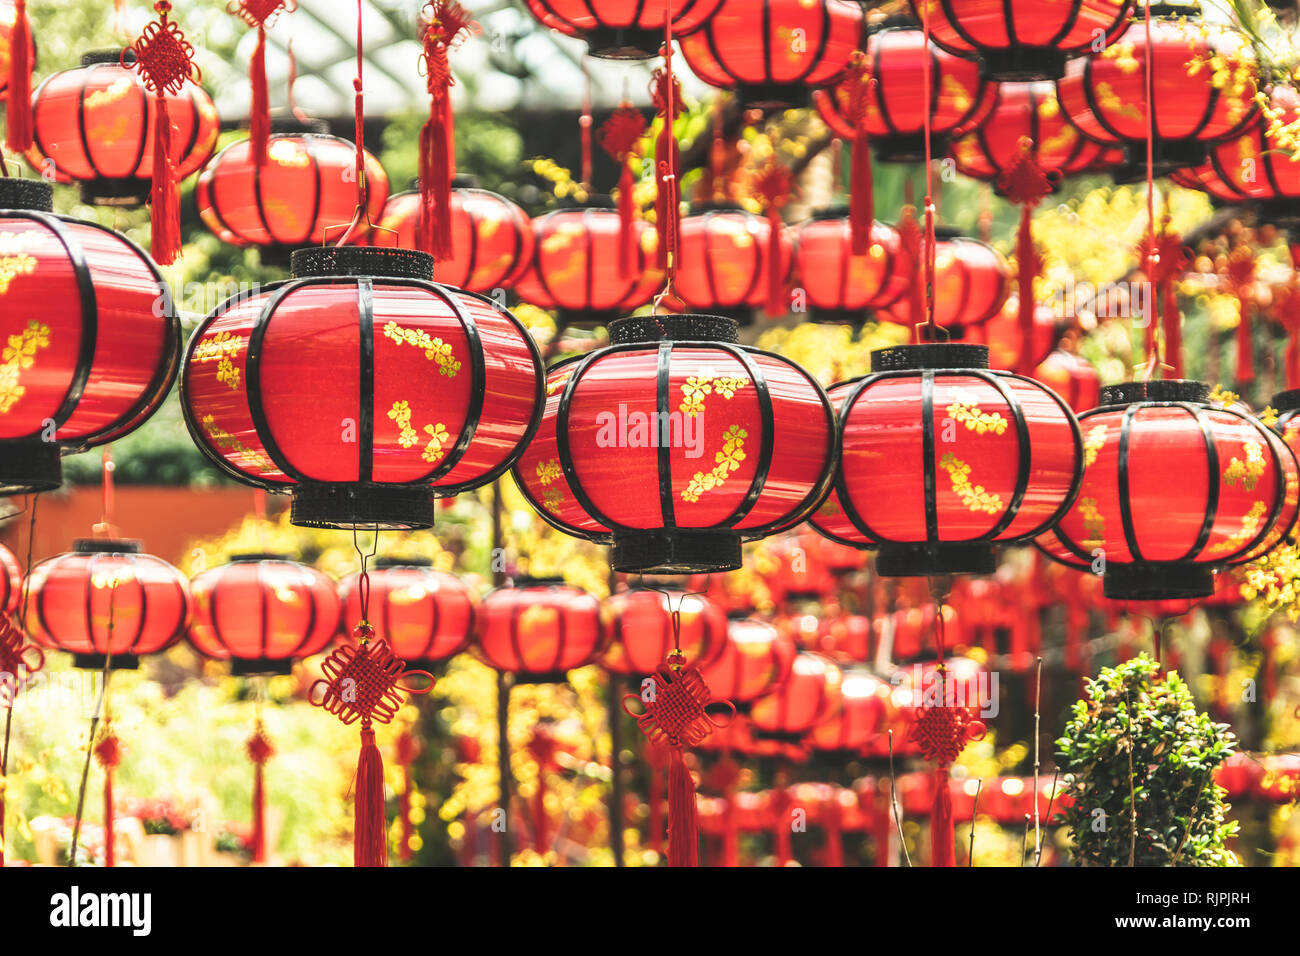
x=95 y=125
x=93 y=337
x=895 y=110
x=642 y=630
x=1174 y=488
x=864 y=702
x=974 y=458
x=1002 y=334
x=725 y=261
x=772 y=52
x=1072 y=377
x=910 y=630
x=797 y=573
x=739 y=593
x=1023 y=39
x=262 y=612
x=842 y=287
x=426 y=616
x=1104 y=93
x=106 y=599
x=755 y=659
x=738 y=443
x=491 y=238
x=303 y=195
x=539 y=629
x=575 y=266
x=622 y=29
x=809 y=696
x=11 y=581
x=971 y=284
x=361 y=388
x=1028 y=111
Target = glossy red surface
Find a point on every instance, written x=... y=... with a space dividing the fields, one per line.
x=1002 y=334
x=971 y=284
x=972 y=26
x=1254 y=165
x=811 y=695
x=423 y=614
x=641 y=630
x=835 y=280
x=540 y=630
x=1072 y=377
x=755 y=659
x=575 y=17
x=725 y=260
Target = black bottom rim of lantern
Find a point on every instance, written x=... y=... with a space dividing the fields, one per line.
x=355 y=507
x=585 y=319
x=1168 y=155
x=292 y=125
x=1287 y=401
x=377 y=261
x=539 y=677
x=95 y=662
x=778 y=736
x=30 y=466
x=774 y=95
x=1157 y=390
x=922 y=560
x=680 y=552
x=257 y=666
x=627 y=43
x=908 y=147
x=1157 y=582
x=115 y=192
x=854 y=317
x=33 y=194
x=673 y=328
x=1019 y=64
x=931 y=355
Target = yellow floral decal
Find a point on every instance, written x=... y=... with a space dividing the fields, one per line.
x=547 y=472
x=708 y=382
x=435 y=350
x=973 y=497
x=966 y=411
x=1093 y=444
x=14 y=259
x=728 y=460
x=1251 y=522
x=438 y=436
x=19 y=355
x=401 y=413
x=221 y=348
x=1248 y=472
x=231 y=446
x=1094 y=525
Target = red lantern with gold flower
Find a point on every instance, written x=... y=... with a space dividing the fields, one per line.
x=772 y=52
x=725 y=260
x=539 y=629
x=842 y=287
x=361 y=388
x=622 y=29
x=975 y=457
x=970 y=285
x=674 y=444
x=106 y=601
x=1174 y=488
x=641 y=625
x=95 y=126
x=755 y=659
x=93 y=337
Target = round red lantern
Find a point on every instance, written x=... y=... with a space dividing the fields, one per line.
x=1174 y=488
x=641 y=624
x=755 y=659
x=618 y=30
x=809 y=696
x=1003 y=337
x=971 y=284
x=796 y=572
x=738 y=443
x=575 y=266
x=303 y=195
x=491 y=238
x=1072 y=377
x=724 y=266
x=1023 y=39
x=11 y=581
x=840 y=286
x=262 y=612
x=772 y=52
x=106 y=600
x=426 y=616
x=539 y=629
x=362 y=388
x=974 y=458
x=894 y=118
x=93 y=337
x=864 y=702
x=95 y=126
x=1027 y=111
x=1104 y=93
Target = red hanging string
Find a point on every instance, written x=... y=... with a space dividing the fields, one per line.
x=856 y=87
x=1241 y=278
x=447 y=24
x=259 y=15
x=259 y=750
x=18 y=133
x=1152 y=251
x=666 y=92
x=1026 y=183
x=585 y=122
x=108 y=752
x=927 y=87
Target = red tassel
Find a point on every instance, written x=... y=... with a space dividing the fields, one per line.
x=942 y=849
x=627 y=237
x=1245 y=344
x=1173 y=325
x=683 y=846
x=368 y=839
x=655 y=825
x=165 y=211
x=18 y=135
x=259 y=115
x=667 y=165
x=1026 y=270
x=109 y=855
x=434 y=227
x=861 y=199
x=834 y=833
x=783 y=832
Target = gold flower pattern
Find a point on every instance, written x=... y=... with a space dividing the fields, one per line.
x=401 y=413
x=221 y=348
x=965 y=410
x=1251 y=522
x=972 y=496
x=708 y=382
x=547 y=472
x=19 y=355
x=1247 y=472
x=1093 y=444
x=1094 y=524
x=728 y=460
x=435 y=349
x=14 y=259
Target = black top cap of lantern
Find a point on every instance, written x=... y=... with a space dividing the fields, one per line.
x=1161 y=390
x=593 y=201
x=391 y=562
x=33 y=194
x=99 y=57
x=105 y=546
x=524 y=581
x=938 y=355
x=288 y=125
x=1174 y=8
x=673 y=328
x=1287 y=401
x=837 y=211
x=252 y=556
x=718 y=205
x=949 y=232
x=362 y=261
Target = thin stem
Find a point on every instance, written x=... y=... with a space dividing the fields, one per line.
x=893 y=800
x=974 y=812
x=1038 y=688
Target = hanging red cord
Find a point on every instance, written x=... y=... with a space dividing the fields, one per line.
x=1152 y=251
x=927 y=87
x=619 y=136
x=359 y=115
x=447 y=25
x=18 y=132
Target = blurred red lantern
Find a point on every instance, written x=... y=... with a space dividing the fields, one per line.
x=864 y=699
x=575 y=266
x=641 y=624
x=361 y=388
x=978 y=458
x=8 y=19
x=799 y=573
x=1104 y=93
x=1023 y=39
x=725 y=260
x=632 y=417
x=262 y=612
x=539 y=629
x=11 y=581
x=1072 y=377
x=895 y=109
x=104 y=599
x=491 y=238
x=93 y=337
x=619 y=29
x=846 y=637
x=808 y=697
x=1028 y=111
x=303 y=195
x=970 y=284
x=426 y=616
x=1173 y=488
x=908 y=632
x=772 y=52
x=1002 y=334
x=95 y=125
x=842 y=287
x=756 y=658
x=738 y=593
